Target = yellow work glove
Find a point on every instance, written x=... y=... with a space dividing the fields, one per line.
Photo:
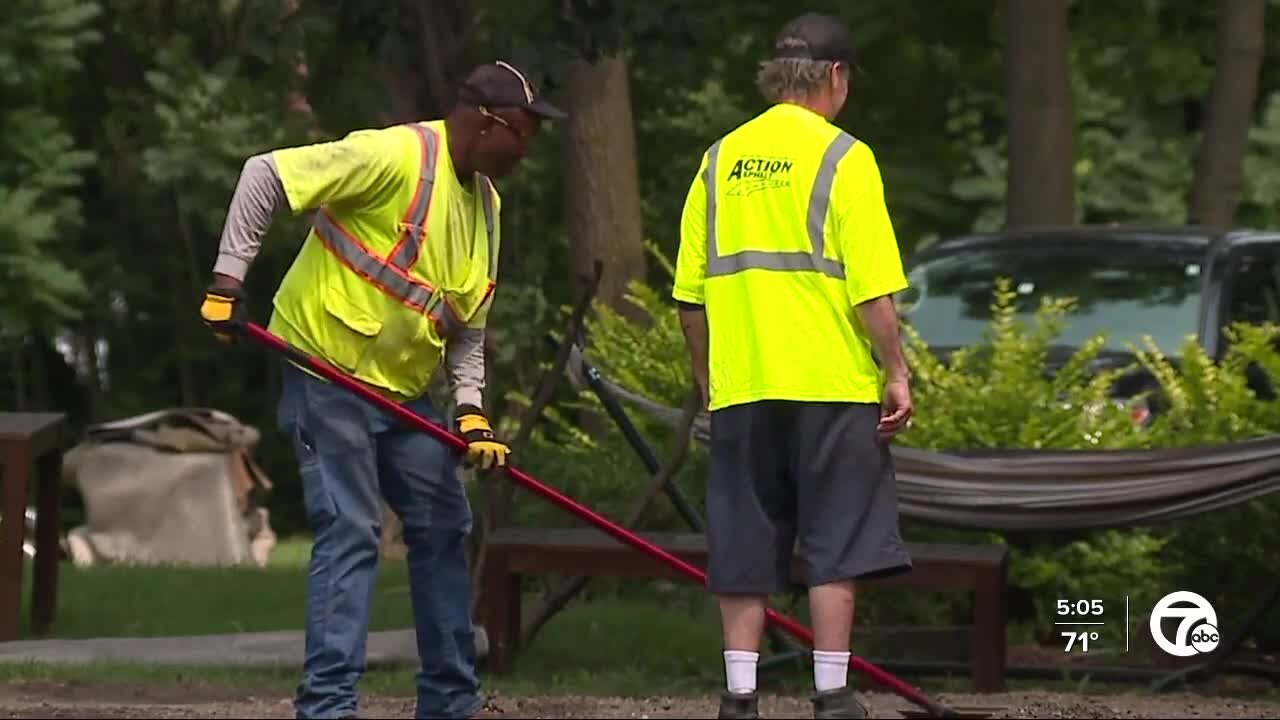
x=222 y=310
x=483 y=448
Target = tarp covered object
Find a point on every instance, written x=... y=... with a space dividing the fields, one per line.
x=172 y=486
x=1010 y=490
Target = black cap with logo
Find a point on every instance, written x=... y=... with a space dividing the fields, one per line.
x=500 y=85
x=816 y=37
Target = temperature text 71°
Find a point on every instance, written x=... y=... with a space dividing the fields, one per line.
x=1083 y=637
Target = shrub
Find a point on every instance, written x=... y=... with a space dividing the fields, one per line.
x=1222 y=554
x=999 y=394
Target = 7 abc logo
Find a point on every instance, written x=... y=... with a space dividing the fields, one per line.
x=1197 y=627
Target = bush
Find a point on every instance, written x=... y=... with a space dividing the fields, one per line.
x=998 y=394
x=1222 y=554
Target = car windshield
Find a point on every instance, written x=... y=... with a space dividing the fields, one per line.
x=1125 y=295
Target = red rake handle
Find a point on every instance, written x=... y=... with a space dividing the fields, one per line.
x=622 y=534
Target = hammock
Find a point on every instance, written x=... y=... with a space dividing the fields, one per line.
x=1062 y=490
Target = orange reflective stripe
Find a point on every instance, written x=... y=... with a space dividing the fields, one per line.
x=487 y=204
x=405 y=253
x=391 y=274
x=410 y=292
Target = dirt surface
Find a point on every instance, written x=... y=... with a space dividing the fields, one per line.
x=66 y=700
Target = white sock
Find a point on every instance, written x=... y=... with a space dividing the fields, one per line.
x=830 y=669
x=740 y=670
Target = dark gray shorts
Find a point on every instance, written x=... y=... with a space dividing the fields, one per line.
x=811 y=478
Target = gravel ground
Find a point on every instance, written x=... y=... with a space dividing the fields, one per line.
x=61 y=700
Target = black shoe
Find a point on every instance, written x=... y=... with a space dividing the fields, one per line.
x=739 y=705
x=838 y=703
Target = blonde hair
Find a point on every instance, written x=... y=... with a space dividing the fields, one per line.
x=782 y=78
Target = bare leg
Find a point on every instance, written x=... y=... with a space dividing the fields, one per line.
x=742 y=620
x=831 y=606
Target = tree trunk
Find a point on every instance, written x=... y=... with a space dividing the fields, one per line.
x=1219 y=165
x=1041 y=153
x=601 y=178
x=443 y=26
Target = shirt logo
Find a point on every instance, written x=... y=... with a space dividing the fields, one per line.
x=754 y=174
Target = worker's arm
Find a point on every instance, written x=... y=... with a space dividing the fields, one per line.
x=258 y=195
x=465 y=353
x=690 y=279
x=361 y=167
x=874 y=272
x=693 y=322
x=879 y=317
x=464 y=366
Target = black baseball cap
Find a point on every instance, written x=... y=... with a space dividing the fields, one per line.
x=815 y=36
x=500 y=84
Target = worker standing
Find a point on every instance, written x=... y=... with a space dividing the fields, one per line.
x=784 y=275
x=394 y=280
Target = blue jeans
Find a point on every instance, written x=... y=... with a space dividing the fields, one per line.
x=350 y=455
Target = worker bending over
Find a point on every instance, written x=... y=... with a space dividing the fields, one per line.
x=395 y=279
x=784 y=276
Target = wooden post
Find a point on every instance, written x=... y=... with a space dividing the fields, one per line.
x=990 y=622
x=30 y=441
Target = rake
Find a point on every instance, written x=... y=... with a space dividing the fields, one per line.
x=795 y=628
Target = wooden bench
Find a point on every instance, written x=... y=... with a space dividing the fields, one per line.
x=515 y=552
x=30 y=441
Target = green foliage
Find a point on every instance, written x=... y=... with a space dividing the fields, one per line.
x=208 y=124
x=1127 y=168
x=41 y=40
x=648 y=357
x=41 y=166
x=1260 y=192
x=998 y=395
x=1222 y=554
x=1206 y=402
x=33 y=279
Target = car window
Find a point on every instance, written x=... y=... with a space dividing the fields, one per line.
x=1253 y=289
x=1124 y=294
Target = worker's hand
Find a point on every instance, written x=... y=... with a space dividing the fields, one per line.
x=223 y=311
x=483 y=448
x=895 y=408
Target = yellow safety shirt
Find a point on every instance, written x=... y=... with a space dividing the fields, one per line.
x=400 y=255
x=784 y=231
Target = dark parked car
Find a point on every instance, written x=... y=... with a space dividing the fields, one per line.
x=1129 y=282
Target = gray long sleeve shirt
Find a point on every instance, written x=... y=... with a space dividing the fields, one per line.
x=258 y=195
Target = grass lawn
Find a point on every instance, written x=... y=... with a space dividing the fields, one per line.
x=622 y=646
x=119 y=601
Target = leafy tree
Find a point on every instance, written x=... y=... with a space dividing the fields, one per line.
x=42 y=43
